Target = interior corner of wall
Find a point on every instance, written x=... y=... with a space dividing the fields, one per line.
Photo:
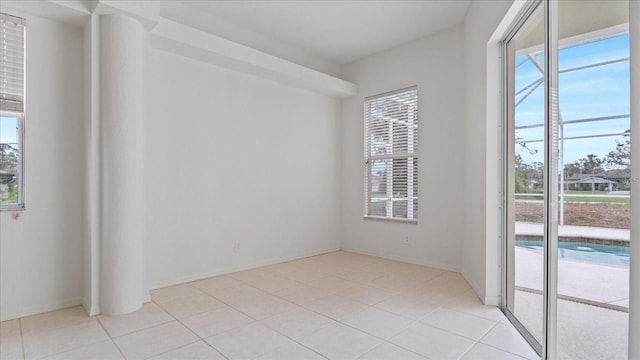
x=92 y=308
x=146 y=297
x=479 y=290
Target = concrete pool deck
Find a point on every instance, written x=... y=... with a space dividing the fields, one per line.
x=591 y=283
x=597 y=284
x=593 y=301
x=572 y=231
x=585 y=332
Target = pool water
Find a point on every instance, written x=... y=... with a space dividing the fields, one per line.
x=595 y=253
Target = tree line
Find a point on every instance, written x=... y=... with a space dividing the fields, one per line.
x=619 y=158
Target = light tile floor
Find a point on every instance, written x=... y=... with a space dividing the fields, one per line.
x=584 y=332
x=338 y=305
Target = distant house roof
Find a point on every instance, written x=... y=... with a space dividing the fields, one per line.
x=615 y=174
x=6 y=177
x=593 y=180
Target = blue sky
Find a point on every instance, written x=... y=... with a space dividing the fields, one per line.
x=8 y=131
x=594 y=92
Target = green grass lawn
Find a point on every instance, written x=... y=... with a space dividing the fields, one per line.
x=606 y=200
x=581 y=192
x=584 y=199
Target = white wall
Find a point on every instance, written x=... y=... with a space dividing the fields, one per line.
x=232 y=158
x=435 y=65
x=481 y=247
x=41 y=265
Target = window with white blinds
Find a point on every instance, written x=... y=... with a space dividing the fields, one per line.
x=391 y=155
x=12 y=31
x=12 y=75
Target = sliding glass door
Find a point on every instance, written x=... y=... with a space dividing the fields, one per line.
x=525 y=174
x=594 y=190
x=567 y=177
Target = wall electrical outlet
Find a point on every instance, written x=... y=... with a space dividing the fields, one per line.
x=236 y=247
x=406 y=240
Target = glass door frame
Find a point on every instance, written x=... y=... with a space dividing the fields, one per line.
x=547 y=347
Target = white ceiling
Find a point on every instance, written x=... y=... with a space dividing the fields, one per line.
x=339 y=31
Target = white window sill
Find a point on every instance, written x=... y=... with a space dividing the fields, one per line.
x=384 y=218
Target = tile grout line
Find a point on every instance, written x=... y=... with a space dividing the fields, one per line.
x=254 y=320
x=189 y=329
x=294 y=340
x=184 y=346
x=507 y=351
x=470 y=314
x=392 y=344
x=24 y=353
x=396 y=294
x=260 y=322
x=338 y=321
x=134 y=331
x=462 y=336
x=110 y=337
x=68 y=326
x=326 y=293
x=413 y=322
x=475 y=343
x=296 y=305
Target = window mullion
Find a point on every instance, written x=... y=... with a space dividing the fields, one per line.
x=410 y=150
x=389 y=166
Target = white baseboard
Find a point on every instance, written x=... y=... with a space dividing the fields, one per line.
x=477 y=289
x=94 y=310
x=41 y=308
x=404 y=259
x=91 y=308
x=487 y=300
x=218 y=272
x=492 y=300
x=146 y=297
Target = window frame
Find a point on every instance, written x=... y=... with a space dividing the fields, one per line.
x=20 y=204
x=15 y=108
x=368 y=159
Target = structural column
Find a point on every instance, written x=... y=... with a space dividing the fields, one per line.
x=122 y=112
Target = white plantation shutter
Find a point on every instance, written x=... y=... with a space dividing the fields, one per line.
x=12 y=31
x=391 y=155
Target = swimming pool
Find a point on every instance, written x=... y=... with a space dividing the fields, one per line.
x=595 y=253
